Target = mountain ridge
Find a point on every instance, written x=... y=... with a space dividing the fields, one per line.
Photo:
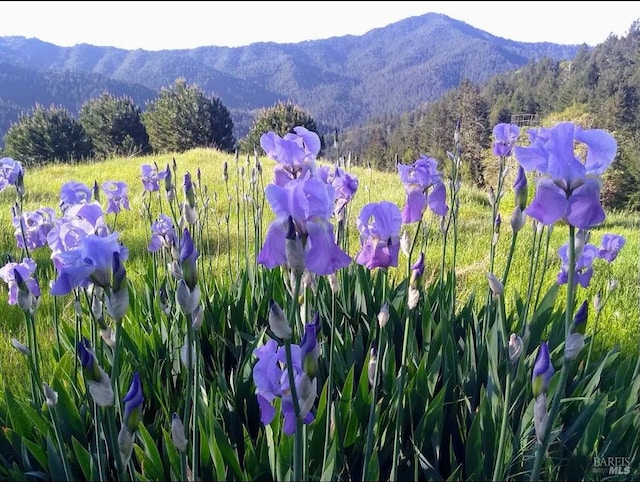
x=341 y=81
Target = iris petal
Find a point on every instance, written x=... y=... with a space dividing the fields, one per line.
x=549 y=204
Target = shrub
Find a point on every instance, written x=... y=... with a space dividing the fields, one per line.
x=114 y=125
x=47 y=135
x=281 y=119
x=183 y=117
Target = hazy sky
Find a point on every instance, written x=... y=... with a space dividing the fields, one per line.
x=179 y=25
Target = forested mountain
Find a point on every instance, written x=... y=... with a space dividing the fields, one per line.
x=341 y=81
x=599 y=88
x=22 y=87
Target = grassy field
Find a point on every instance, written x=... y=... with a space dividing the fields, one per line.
x=228 y=214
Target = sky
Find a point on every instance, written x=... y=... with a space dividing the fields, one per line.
x=165 y=25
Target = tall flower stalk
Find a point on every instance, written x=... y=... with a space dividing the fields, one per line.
x=568 y=189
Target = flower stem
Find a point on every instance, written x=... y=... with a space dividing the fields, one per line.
x=498 y=473
x=400 y=402
x=372 y=409
x=65 y=462
x=512 y=248
x=113 y=441
x=298 y=449
x=564 y=371
x=374 y=386
x=297 y=444
x=327 y=431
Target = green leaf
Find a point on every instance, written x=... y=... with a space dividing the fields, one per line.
x=373 y=468
x=19 y=420
x=71 y=424
x=540 y=317
x=593 y=429
x=155 y=468
x=474 y=463
x=172 y=455
x=37 y=452
x=56 y=467
x=573 y=432
x=329 y=468
x=84 y=458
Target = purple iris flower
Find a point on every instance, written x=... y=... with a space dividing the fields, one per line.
x=379 y=225
x=584 y=264
x=117 y=196
x=90 y=212
x=505 y=136
x=309 y=202
x=67 y=235
x=580 y=318
x=25 y=271
x=36 y=226
x=610 y=246
x=295 y=153
x=86 y=356
x=417 y=179
x=11 y=172
x=189 y=190
x=74 y=192
x=542 y=370
x=149 y=177
x=309 y=348
x=163 y=233
x=188 y=257
x=91 y=261
x=569 y=187
x=345 y=185
x=520 y=188
x=133 y=403
x=271 y=379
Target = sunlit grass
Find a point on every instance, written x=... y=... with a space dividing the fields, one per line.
x=225 y=248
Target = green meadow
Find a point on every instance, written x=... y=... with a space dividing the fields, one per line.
x=431 y=387
x=228 y=218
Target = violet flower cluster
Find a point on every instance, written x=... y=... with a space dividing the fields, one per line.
x=568 y=187
x=271 y=377
x=303 y=205
x=11 y=174
x=586 y=254
x=424 y=187
x=379 y=225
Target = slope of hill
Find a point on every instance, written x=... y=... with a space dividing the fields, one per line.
x=341 y=81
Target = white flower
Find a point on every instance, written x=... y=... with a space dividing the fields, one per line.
x=177 y=433
x=371 y=369
x=405 y=243
x=540 y=415
x=383 y=316
x=184 y=353
x=50 y=395
x=278 y=322
x=573 y=345
x=101 y=391
x=414 y=297
x=20 y=347
x=495 y=285
x=125 y=444
x=515 y=347
x=187 y=300
x=307 y=390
